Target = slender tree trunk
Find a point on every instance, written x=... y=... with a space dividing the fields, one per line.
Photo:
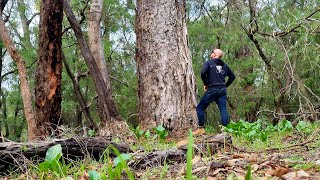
x=253 y=28
x=24 y=85
x=167 y=88
x=93 y=68
x=79 y=96
x=95 y=44
x=25 y=24
x=2 y=98
x=49 y=69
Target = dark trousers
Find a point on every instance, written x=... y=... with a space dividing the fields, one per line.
x=219 y=95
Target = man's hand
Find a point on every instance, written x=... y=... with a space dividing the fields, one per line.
x=205 y=88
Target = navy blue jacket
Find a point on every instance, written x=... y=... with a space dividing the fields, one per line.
x=214 y=73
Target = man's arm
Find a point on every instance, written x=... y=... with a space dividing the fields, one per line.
x=231 y=77
x=204 y=73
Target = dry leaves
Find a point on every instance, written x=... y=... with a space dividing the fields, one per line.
x=277 y=170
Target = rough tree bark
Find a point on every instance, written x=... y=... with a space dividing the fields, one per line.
x=95 y=44
x=165 y=77
x=48 y=72
x=24 y=85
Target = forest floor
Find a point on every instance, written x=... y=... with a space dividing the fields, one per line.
x=289 y=156
x=297 y=158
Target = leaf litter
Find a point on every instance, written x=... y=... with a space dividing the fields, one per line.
x=217 y=158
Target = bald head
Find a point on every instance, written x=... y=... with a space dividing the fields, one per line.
x=217 y=53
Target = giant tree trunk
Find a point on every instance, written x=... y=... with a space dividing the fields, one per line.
x=166 y=80
x=48 y=73
x=95 y=44
x=24 y=85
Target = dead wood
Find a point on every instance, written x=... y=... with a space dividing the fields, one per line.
x=158 y=158
x=202 y=145
x=16 y=155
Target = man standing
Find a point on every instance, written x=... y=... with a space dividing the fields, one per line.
x=213 y=75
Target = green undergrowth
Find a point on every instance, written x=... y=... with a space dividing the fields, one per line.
x=252 y=137
x=263 y=135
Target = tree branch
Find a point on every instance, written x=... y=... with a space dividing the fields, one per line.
x=283 y=33
x=33 y=16
x=16 y=70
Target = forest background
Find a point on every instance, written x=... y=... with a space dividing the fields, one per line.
x=272 y=46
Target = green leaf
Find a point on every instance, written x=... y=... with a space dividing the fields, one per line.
x=303 y=126
x=141 y=132
x=91 y=133
x=263 y=136
x=44 y=165
x=147 y=134
x=121 y=159
x=111 y=172
x=189 y=156
x=248 y=175
x=160 y=128
x=252 y=133
x=284 y=125
x=53 y=153
x=93 y=175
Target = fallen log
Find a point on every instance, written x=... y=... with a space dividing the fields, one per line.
x=16 y=155
x=202 y=145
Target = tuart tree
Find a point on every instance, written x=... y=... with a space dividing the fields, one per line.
x=166 y=82
x=48 y=72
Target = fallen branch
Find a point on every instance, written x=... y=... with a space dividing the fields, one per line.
x=202 y=145
x=11 y=153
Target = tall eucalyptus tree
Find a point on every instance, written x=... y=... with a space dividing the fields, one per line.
x=166 y=81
